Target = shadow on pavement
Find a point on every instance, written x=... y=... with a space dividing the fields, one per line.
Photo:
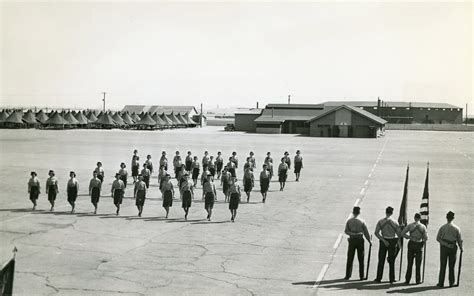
x=211 y=222
x=342 y=284
x=415 y=289
x=182 y=220
x=25 y=210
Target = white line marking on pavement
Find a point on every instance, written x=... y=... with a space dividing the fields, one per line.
x=356 y=204
x=369 y=176
x=321 y=275
x=349 y=216
x=366 y=182
x=362 y=191
x=338 y=241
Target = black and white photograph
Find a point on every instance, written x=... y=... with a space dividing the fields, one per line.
x=236 y=147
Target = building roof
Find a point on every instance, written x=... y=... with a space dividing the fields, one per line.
x=81 y=118
x=146 y=120
x=295 y=106
x=41 y=116
x=15 y=117
x=390 y=104
x=250 y=111
x=118 y=119
x=105 y=119
x=56 y=119
x=158 y=109
x=358 y=110
x=272 y=114
x=30 y=117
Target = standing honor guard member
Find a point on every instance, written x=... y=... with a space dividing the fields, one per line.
x=118 y=189
x=34 y=189
x=219 y=164
x=72 y=189
x=139 y=193
x=209 y=193
x=52 y=188
x=449 y=237
x=387 y=231
x=94 y=190
x=168 y=194
x=356 y=230
x=298 y=164
x=100 y=172
x=417 y=238
x=135 y=165
x=187 y=195
x=264 y=182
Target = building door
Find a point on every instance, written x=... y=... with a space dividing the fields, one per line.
x=343 y=131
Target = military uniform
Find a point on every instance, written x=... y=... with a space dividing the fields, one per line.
x=387 y=228
x=417 y=238
x=356 y=229
x=449 y=237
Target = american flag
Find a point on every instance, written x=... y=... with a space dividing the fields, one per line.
x=424 y=207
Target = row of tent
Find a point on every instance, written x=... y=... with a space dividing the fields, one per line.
x=92 y=119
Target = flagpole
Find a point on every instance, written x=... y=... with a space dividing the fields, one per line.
x=424 y=263
x=402 y=219
x=401 y=259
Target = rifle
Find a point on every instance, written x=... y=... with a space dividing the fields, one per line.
x=368 y=259
x=459 y=268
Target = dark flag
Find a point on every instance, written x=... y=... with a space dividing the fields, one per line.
x=402 y=217
x=402 y=220
x=6 y=278
x=424 y=207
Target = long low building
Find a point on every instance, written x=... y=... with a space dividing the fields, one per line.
x=190 y=110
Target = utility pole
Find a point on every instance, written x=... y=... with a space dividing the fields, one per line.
x=200 y=117
x=104 y=99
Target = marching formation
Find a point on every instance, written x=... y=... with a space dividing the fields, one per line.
x=183 y=170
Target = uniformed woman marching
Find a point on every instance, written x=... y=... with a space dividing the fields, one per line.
x=187 y=195
x=168 y=194
x=269 y=163
x=139 y=193
x=94 y=190
x=219 y=163
x=161 y=177
x=52 y=188
x=123 y=174
x=34 y=189
x=72 y=189
x=212 y=167
x=264 y=182
x=298 y=164
x=282 y=173
x=195 y=167
x=146 y=173
x=209 y=193
x=225 y=180
x=248 y=181
x=118 y=189
x=100 y=172
x=234 y=191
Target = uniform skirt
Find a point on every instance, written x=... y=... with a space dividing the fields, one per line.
x=71 y=193
x=195 y=173
x=219 y=167
x=225 y=187
x=124 y=179
x=282 y=176
x=118 y=196
x=234 y=201
x=101 y=178
x=52 y=193
x=247 y=184
x=212 y=170
x=95 y=194
x=264 y=184
x=232 y=172
x=209 y=200
x=146 y=179
x=270 y=170
x=34 y=192
x=186 y=203
x=162 y=181
x=168 y=198
x=188 y=165
x=140 y=200
x=298 y=166
x=135 y=170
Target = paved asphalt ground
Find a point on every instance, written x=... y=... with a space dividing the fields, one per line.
x=292 y=245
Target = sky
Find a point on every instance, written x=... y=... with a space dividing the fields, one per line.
x=65 y=54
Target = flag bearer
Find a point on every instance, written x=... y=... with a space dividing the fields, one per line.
x=417 y=235
x=356 y=230
x=449 y=238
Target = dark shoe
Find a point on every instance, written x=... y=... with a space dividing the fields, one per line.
x=346 y=278
x=418 y=283
x=394 y=281
x=440 y=285
x=407 y=282
x=377 y=280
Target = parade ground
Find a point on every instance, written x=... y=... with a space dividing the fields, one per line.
x=294 y=244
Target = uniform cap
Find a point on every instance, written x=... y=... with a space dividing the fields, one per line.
x=450 y=215
x=356 y=210
x=389 y=210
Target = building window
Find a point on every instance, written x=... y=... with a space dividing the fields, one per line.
x=393 y=108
